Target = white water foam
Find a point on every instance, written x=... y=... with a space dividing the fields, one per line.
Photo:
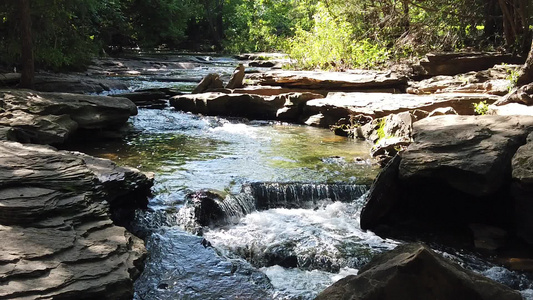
x=328 y=238
x=301 y=284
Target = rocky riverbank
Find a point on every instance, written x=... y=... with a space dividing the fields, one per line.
x=453 y=172
x=59 y=210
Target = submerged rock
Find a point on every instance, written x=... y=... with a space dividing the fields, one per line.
x=414 y=271
x=51 y=118
x=58 y=238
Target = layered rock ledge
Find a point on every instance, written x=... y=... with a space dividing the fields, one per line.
x=315 y=109
x=58 y=241
x=51 y=118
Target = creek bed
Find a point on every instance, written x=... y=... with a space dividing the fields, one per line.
x=289 y=252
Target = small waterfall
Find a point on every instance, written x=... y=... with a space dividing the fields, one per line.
x=237 y=206
x=211 y=208
x=301 y=195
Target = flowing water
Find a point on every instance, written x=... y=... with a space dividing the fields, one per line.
x=291 y=194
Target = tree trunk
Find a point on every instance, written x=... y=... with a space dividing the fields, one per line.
x=526 y=75
x=28 y=68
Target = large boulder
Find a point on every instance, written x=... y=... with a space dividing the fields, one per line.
x=51 y=118
x=456 y=172
x=377 y=105
x=58 y=238
x=414 y=271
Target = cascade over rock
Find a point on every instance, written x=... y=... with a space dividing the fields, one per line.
x=413 y=271
x=58 y=240
x=51 y=118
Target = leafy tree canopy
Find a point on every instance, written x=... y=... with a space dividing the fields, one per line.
x=319 y=33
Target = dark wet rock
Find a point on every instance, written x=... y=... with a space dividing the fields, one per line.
x=179 y=264
x=51 y=118
x=360 y=80
x=282 y=107
x=147 y=99
x=209 y=82
x=236 y=78
x=455 y=173
x=456 y=63
x=488 y=238
x=262 y=64
x=55 y=213
x=414 y=271
x=522 y=188
x=382 y=197
x=376 y=105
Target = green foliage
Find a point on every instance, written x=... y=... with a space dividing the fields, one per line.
x=330 y=44
x=481 y=108
x=381 y=129
x=512 y=77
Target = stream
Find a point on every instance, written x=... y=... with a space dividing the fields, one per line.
x=303 y=239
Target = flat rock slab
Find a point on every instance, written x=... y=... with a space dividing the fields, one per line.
x=58 y=240
x=356 y=80
x=377 y=105
x=414 y=271
x=286 y=107
x=49 y=118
